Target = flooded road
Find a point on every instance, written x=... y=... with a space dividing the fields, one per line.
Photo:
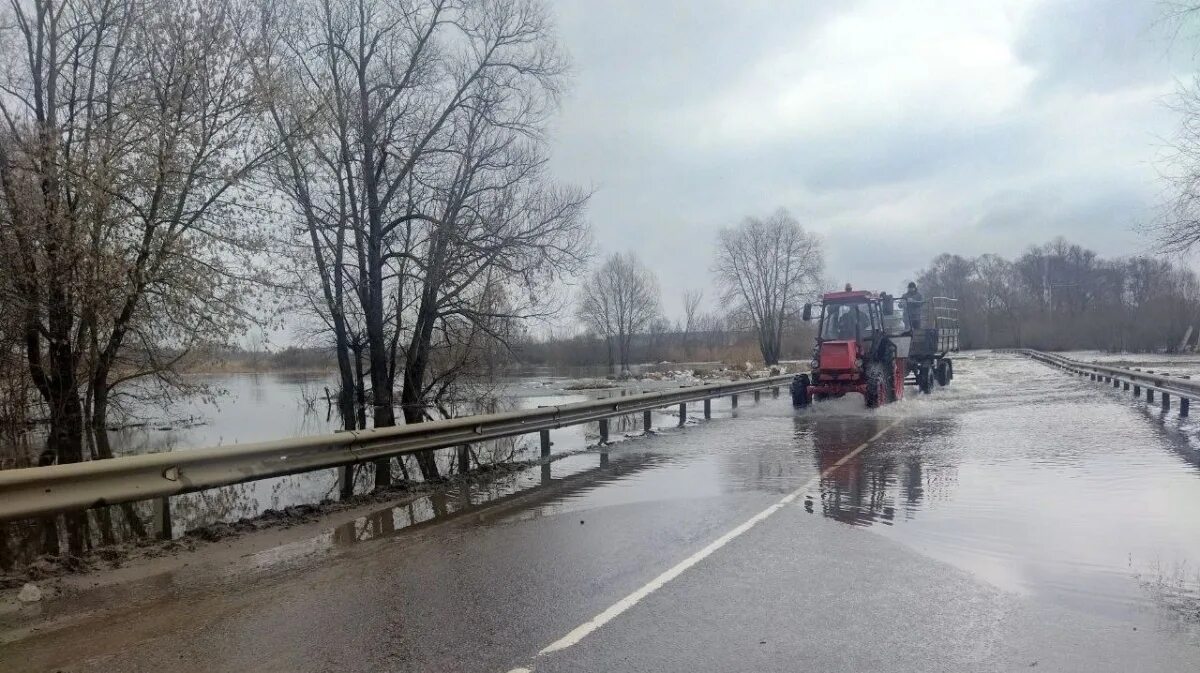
x=1018 y=518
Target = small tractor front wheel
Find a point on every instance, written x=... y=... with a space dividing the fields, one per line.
x=877 y=393
x=943 y=373
x=925 y=378
x=800 y=395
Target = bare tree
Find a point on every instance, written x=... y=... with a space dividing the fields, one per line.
x=1177 y=224
x=767 y=267
x=415 y=160
x=126 y=145
x=620 y=300
x=691 y=312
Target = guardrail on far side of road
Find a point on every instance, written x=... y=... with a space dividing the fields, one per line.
x=1150 y=382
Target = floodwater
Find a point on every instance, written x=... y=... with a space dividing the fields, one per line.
x=1038 y=483
x=243 y=408
x=1182 y=364
x=1017 y=501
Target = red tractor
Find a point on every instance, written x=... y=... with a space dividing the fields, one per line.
x=855 y=352
x=865 y=347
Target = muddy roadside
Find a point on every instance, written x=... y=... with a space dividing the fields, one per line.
x=274 y=540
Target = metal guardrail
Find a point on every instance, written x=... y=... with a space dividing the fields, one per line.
x=54 y=489
x=1120 y=377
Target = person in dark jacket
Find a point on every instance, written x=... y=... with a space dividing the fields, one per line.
x=912 y=306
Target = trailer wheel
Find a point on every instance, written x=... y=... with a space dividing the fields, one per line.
x=942 y=373
x=800 y=394
x=876 y=385
x=925 y=379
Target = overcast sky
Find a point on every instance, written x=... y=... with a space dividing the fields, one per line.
x=897 y=130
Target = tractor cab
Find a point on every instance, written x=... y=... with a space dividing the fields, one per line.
x=850 y=324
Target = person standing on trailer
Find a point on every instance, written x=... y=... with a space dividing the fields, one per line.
x=912 y=306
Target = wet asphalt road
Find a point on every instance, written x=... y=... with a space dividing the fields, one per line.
x=977 y=531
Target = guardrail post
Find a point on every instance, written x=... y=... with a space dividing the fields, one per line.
x=544 y=435
x=1184 y=403
x=1116 y=383
x=646 y=424
x=464 y=459
x=1149 y=394
x=775 y=391
x=756 y=396
x=603 y=442
x=165 y=530
x=707 y=408
x=682 y=412
x=1166 y=402
x=1137 y=390
x=733 y=401
x=1124 y=385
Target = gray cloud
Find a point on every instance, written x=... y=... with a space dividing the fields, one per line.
x=895 y=130
x=1097 y=45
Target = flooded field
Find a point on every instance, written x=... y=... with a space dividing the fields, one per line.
x=242 y=408
x=1183 y=364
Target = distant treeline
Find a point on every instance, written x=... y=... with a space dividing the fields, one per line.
x=234 y=359
x=664 y=343
x=1061 y=296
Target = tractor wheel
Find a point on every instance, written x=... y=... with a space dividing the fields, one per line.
x=800 y=394
x=942 y=372
x=950 y=375
x=925 y=379
x=877 y=393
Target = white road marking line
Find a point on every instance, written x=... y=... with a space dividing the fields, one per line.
x=582 y=631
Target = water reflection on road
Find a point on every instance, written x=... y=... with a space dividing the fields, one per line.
x=1042 y=488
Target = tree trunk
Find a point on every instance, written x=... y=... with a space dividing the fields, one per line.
x=66 y=418
x=411 y=399
x=360 y=390
x=99 y=426
x=384 y=415
x=345 y=397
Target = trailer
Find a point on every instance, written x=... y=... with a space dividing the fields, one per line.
x=934 y=338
